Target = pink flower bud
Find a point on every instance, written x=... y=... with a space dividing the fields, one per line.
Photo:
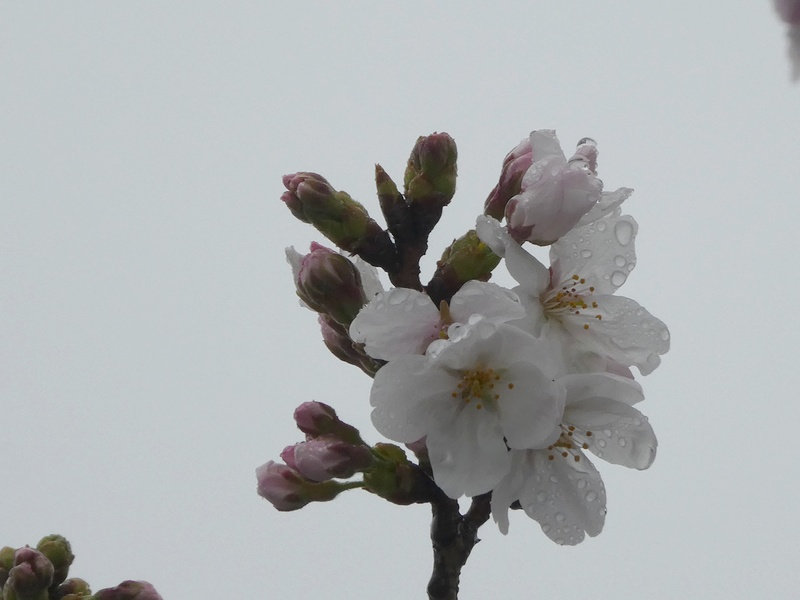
x=282 y=486
x=325 y=457
x=515 y=165
x=330 y=283
x=129 y=590
x=789 y=10
x=31 y=574
x=315 y=419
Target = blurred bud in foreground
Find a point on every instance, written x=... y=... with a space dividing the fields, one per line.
x=129 y=590
x=316 y=419
x=286 y=489
x=330 y=283
x=789 y=10
x=515 y=165
x=57 y=549
x=325 y=457
x=467 y=258
x=338 y=217
x=30 y=576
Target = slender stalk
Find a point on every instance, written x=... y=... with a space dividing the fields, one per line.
x=453 y=536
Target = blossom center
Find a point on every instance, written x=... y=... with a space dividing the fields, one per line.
x=571 y=442
x=574 y=297
x=479 y=387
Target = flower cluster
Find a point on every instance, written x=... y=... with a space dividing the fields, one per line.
x=500 y=391
x=41 y=573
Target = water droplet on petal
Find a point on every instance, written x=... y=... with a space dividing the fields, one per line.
x=560 y=542
x=602 y=512
x=545 y=528
x=541 y=496
x=618 y=278
x=620 y=261
x=623 y=231
x=601 y=443
x=607 y=432
x=560 y=518
x=581 y=484
x=586 y=253
x=590 y=496
x=601 y=226
x=622 y=442
x=553 y=479
x=664 y=334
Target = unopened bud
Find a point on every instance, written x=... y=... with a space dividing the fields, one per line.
x=286 y=489
x=431 y=172
x=339 y=218
x=6 y=562
x=129 y=590
x=57 y=549
x=515 y=165
x=30 y=576
x=396 y=479
x=466 y=259
x=330 y=283
x=337 y=339
x=327 y=457
x=73 y=588
x=316 y=419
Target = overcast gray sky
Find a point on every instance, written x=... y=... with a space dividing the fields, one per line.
x=152 y=349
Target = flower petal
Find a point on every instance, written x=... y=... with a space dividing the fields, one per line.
x=468 y=456
x=488 y=299
x=607 y=203
x=408 y=395
x=566 y=497
x=603 y=253
x=620 y=434
x=396 y=323
x=531 y=407
x=601 y=385
x=625 y=332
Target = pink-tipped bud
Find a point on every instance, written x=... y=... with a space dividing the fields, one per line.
x=330 y=283
x=515 y=165
x=337 y=339
x=325 y=457
x=286 y=489
x=316 y=419
x=129 y=590
x=31 y=574
x=789 y=10
x=338 y=217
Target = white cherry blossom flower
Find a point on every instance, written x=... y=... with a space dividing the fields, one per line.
x=558 y=486
x=493 y=389
x=405 y=321
x=575 y=301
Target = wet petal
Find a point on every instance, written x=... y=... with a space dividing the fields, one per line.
x=624 y=332
x=487 y=299
x=601 y=385
x=620 y=434
x=603 y=253
x=396 y=323
x=468 y=456
x=530 y=405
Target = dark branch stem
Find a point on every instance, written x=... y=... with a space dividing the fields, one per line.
x=453 y=537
